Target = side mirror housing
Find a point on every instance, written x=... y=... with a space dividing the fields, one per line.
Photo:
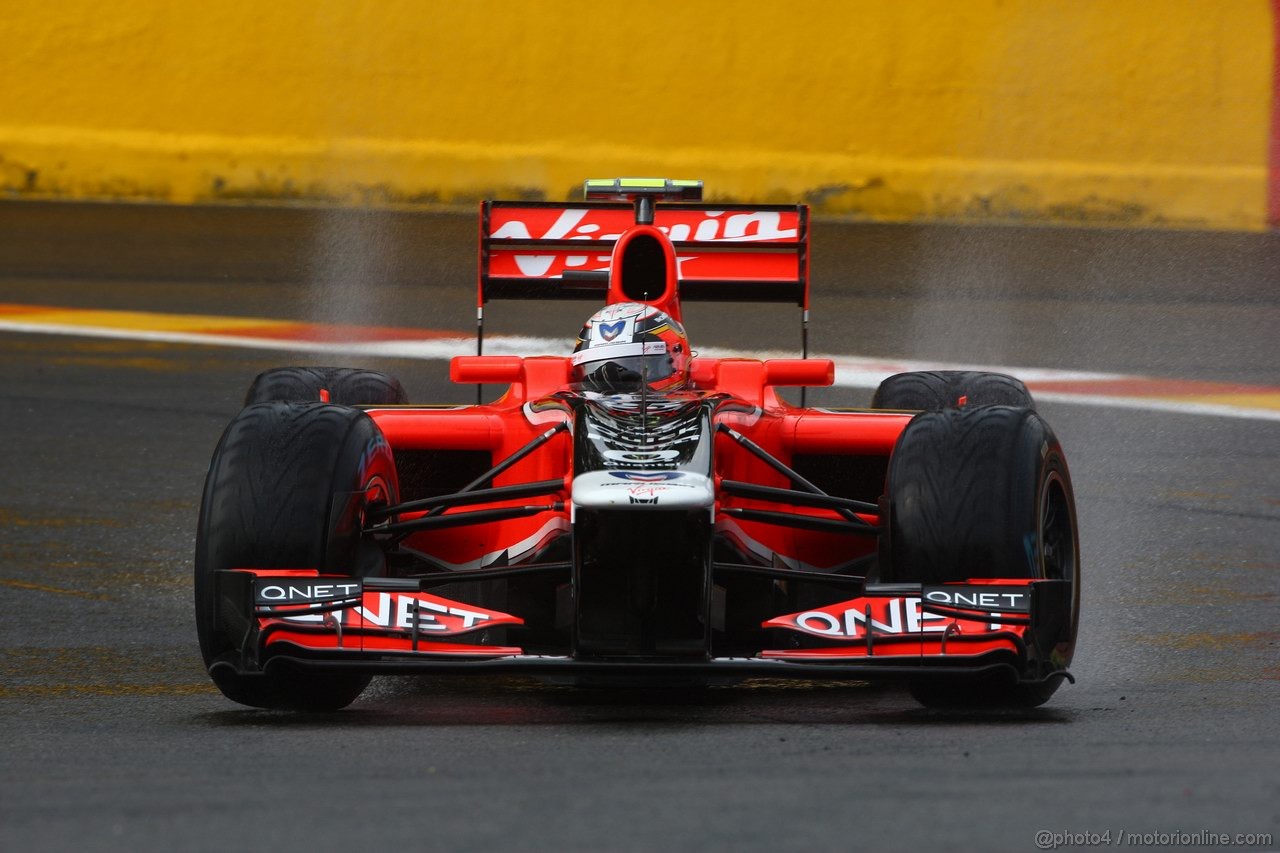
x=486 y=369
x=798 y=372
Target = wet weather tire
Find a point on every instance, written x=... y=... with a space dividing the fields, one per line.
x=950 y=389
x=981 y=493
x=288 y=487
x=346 y=385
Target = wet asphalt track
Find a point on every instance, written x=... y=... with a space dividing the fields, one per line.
x=113 y=738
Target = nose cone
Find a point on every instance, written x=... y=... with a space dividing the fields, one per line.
x=642 y=490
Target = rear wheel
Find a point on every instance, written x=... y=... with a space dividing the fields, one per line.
x=982 y=493
x=347 y=385
x=288 y=487
x=950 y=389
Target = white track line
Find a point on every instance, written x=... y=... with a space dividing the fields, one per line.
x=851 y=371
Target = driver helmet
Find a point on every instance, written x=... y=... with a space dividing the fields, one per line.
x=628 y=343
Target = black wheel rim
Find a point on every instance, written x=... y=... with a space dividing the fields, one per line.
x=1057 y=532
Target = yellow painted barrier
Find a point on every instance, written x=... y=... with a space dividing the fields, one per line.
x=1125 y=111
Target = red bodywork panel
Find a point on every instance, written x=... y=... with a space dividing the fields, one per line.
x=515 y=419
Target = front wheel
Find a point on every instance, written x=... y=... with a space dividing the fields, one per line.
x=978 y=494
x=288 y=487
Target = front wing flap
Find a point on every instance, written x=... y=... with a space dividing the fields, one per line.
x=1027 y=623
x=265 y=611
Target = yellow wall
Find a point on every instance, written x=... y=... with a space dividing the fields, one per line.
x=1132 y=111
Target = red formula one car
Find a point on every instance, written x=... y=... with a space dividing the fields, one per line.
x=631 y=513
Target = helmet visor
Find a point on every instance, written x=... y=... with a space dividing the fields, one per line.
x=621 y=375
x=622 y=368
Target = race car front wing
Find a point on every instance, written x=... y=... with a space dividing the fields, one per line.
x=1012 y=629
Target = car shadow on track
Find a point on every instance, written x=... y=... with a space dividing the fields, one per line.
x=408 y=702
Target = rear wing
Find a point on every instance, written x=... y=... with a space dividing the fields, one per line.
x=724 y=252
